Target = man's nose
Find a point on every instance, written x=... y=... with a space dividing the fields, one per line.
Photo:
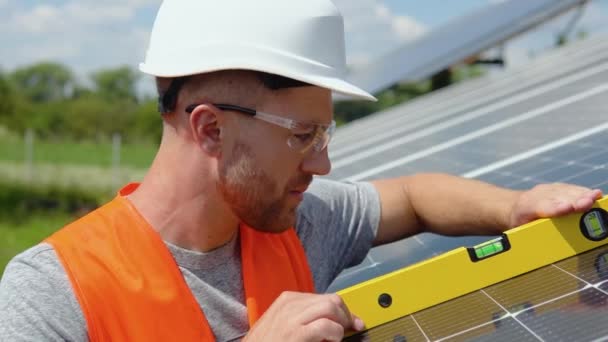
x=317 y=163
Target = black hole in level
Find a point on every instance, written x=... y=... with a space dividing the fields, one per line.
x=385 y=300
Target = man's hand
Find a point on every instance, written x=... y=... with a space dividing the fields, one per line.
x=551 y=200
x=305 y=317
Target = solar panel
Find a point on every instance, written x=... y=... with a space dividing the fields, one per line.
x=547 y=127
x=466 y=97
x=558 y=303
x=454 y=42
x=496 y=124
x=540 y=123
x=580 y=160
x=514 y=288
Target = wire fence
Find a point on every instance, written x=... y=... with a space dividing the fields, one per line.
x=35 y=169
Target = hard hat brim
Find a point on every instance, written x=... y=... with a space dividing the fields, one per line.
x=223 y=56
x=332 y=83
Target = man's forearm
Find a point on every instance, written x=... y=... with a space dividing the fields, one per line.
x=443 y=204
x=452 y=205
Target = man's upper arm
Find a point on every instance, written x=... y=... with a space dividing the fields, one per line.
x=398 y=219
x=36 y=300
x=337 y=223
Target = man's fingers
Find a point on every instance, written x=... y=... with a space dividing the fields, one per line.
x=311 y=317
x=583 y=203
x=552 y=200
x=564 y=201
x=355 y=322
x=592 y=195
x=330 y=306
x=581 y=200
x=358 y=324
x=323 y=329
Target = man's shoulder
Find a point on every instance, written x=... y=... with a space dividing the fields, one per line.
x=37 y=261
x=326 y=192
x=330 y=200
x=36 y=297
x=39 y=251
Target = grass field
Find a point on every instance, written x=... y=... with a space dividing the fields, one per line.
x=18 y=236
x=65 y=163
x=95 y=178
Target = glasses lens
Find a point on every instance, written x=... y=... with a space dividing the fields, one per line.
x=303 y=137
x=324 y=137
x=307 y=136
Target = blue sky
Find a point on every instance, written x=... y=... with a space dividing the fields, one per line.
x=89 y=34
x=434 y=12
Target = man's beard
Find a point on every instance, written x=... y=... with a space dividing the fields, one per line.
x=253 y=195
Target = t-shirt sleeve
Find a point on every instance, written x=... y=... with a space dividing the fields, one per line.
x=36 y=300
x=337 y=223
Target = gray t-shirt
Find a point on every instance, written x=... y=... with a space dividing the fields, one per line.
x=336 y=223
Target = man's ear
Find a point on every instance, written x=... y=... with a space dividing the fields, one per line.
x=206 y=125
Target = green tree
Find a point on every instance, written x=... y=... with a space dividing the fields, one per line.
x=7 y=100
x=44 y=82
x=148 y=122
x=116 y=83
x=346 y=111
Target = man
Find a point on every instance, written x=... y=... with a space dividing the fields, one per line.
x=227 y=237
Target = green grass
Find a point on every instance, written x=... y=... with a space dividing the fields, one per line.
x=137 y=156
x=88 y=177
x=16 y=237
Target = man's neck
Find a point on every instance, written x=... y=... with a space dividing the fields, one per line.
x=187 y=215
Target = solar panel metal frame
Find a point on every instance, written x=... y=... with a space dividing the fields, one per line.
x=469 y=95
x=457 y=40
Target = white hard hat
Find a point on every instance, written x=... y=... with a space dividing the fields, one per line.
x=297 y=39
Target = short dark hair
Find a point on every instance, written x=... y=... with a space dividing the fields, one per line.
x=276 y=82
x=167 y=99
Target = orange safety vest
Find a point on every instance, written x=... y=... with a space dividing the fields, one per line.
x=130 y=288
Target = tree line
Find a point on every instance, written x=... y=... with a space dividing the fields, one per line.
x=48 y=98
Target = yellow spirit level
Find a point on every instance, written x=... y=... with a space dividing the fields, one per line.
x=464 y=270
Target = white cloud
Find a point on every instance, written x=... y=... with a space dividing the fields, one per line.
x=372 y=29
x=407 y=28
x=84 y=34
x=74 y=15
x=99 y=13
x=404 y=27
x=38 y=20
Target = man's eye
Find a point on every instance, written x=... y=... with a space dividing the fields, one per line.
x=304 y=137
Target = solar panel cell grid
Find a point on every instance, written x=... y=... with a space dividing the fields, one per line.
x=506 y=330
x=583 y=161
x=582 y=316
x=566 y=301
